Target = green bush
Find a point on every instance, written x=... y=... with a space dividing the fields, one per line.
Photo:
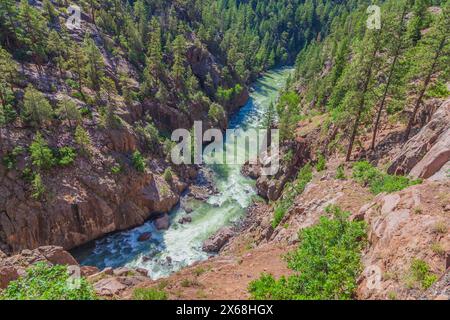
x=420 y=272
x=326 y=263
x=43 y=282
x=340 y=173
x=10 y=159
x=321 y=163
x=116 y=169
x=138 y=161
x=168 y=176
x=66 y=156
x=149 y=294
x=41 y=155
x=377 y=181
x=291 y=191
x=38 y=187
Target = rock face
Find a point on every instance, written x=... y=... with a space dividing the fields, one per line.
x=435 y=159
x=404 y=226
x=416 y=150
x=162 y=223
x=97 y=206
x=11 y=268
x=217 y=241
x=271 y=187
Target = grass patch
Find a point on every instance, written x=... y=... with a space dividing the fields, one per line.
x=149 y=294
x=420 y=274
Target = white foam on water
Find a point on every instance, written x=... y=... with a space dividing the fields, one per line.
x=181 y=245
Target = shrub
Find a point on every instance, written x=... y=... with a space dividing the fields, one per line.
x=138 y=161
x=41 y=155
x=168 y=176
x=38 y=187
x=82 y=139
x=66 y=156
x=321 y=163
x=326 y=262
x=10 y=159
x=116 y=169
x=420 y=272
x=149 y=294
x=368 y=175
x=340 y=173
x=43 y=282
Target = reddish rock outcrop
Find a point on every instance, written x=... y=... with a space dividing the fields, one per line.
x=418 y=146
x=11 y=268
x=218 y=240
x=403 y=227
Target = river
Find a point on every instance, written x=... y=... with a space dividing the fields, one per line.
x=181 y=245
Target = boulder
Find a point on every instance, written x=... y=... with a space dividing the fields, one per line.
x=57 y=255
x=109 y=287
x=123 y=272
x=217 y=241
x=163 y=222
x=8 y=274
x=435 y=159
x=144 y=236
x=87 y=271
x=418 y=146
x=185 y=219
x=11 y=268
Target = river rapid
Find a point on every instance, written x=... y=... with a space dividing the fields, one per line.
x=181 y=245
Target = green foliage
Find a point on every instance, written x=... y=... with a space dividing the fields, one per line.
x=321 y=163
x=41 y=155
x=378 y=182
x=340 y=173
x=168 y=175
x=82 y=139
x=216 y=113
x=438 y=90
x=138 y=161
x=36 y=107
x=66 y=156
x=116 y=169
x=10 y=159
x=420 y=273
x=291 y=191
x=288 y=114
x=326 y=263
x=43 y=282
x=149 y=294
x=38 y=187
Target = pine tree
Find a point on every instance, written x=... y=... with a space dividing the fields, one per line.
x=364 y=72
x=67 y=110
x=8 y=75
x=396 y=45
x=431 y=57
x=179 y=61
x=95 y=64
x=154 y=61
x=8 y=23
x=36 y=107
x=76 y=64
x=83 y=140
x=41 y=155
x=33 y=31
